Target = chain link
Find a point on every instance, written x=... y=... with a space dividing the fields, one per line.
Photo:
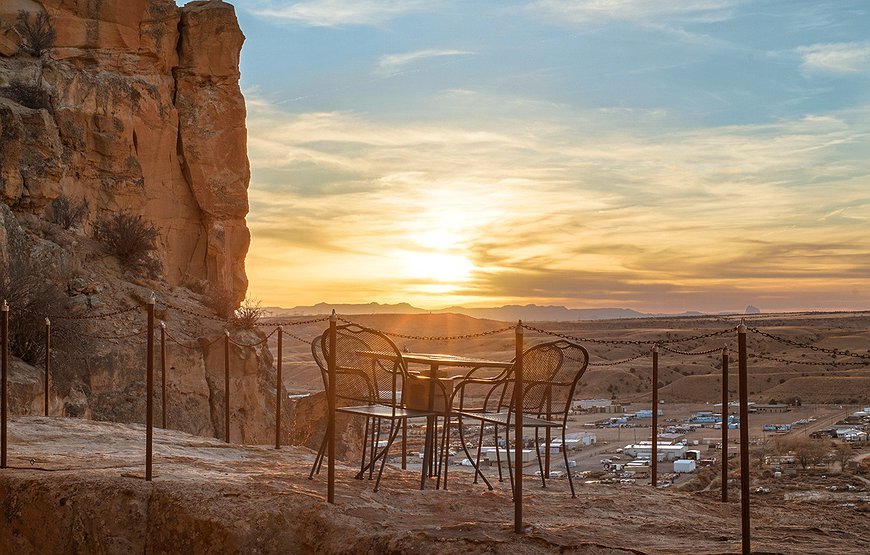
x=192 y=313
x=617 y=362
x=434 y=337
x=191 y=347
x=807 y=345
x=811 y=363
x=293 y=323
x=257 y=344
x=107 y=337
x=690 y=353
x=628 y=341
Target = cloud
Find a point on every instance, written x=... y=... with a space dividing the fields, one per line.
x=341 y=13
x=842 y=57
x=394 y=63
x=572 y=207
x=635 y=11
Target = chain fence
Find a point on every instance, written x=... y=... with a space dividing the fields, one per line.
x=809 y=346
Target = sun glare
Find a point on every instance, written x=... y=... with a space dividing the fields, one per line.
x=442 y=268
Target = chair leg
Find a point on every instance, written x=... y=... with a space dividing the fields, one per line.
x=362 y=462
x=540 y=463
x=394 y=431
x=475 y=464
x=315 y=468
x=404 y=424
x=567 y=468
x=498 y=452
x=507 y=435
x=477 y=457
x=375 y=443
x=445 y=445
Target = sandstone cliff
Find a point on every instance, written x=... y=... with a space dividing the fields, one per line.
x=143 y=113
x=135 y=107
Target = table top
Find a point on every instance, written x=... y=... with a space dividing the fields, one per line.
x=439 y=359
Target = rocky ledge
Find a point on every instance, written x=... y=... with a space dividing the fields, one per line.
x=76 y=486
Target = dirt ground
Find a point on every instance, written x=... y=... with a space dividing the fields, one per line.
x=76 y=485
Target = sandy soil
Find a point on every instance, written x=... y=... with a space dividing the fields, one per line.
x=76 y=485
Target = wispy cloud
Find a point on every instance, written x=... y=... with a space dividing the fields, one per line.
x=340 y=13
x=842 y=57
x=637 y=11
x=562 y=209
x=395 y=63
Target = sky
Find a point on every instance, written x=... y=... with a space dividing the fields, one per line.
x=660 y=155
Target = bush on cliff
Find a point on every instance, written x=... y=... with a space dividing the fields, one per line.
x=67 y=212
x=132 y=240
x=36 y=32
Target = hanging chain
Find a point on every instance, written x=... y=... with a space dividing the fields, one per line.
x=434 y=337
x=808 y=346
x=629 y=341
x=617 y=362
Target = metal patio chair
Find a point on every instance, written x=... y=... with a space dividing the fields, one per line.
x=550 y=374
x=370 y=375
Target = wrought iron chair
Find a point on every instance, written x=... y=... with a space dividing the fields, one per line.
x=550 y=374
x=370 y=374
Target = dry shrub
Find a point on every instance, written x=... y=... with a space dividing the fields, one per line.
x=30 y=96
x=132 y=240
x=248 y=315
x=36 y=32
x=31 y=298
x=67 y=212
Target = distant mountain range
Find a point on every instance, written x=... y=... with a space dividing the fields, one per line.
x=507 y=313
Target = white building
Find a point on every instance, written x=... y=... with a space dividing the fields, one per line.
x=665 y=452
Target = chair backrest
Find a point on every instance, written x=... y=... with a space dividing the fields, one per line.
x=550 y=374
x=369 y=367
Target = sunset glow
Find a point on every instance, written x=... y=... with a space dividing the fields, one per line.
x=664 y=159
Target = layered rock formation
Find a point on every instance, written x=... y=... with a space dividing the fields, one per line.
x=135 y=107
x=143 y=113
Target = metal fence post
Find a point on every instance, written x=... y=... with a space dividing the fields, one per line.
x=149 y=391
x=163 y=372
x=518 y=433
x=4 y=336
x=278 y=385
x=330 y=427
x=724 y=424
x=744 y=438
x=227 y=386
x=654 y=461
x=47 y=361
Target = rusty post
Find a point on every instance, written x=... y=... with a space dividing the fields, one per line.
x=163 y=372
x=4 y=378
x=548 y=438
x=518 y=433
x=47 y=363
x=149 y=392
x=330 y=426
x=278 y=386
x=226 y=386
x=724 y=424
x=654 y=460
x=744 y=437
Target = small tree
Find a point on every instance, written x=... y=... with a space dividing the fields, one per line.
x=132 y=240
x=842 y=454
x=37 y=33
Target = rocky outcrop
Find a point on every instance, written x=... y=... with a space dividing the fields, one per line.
x=135 y=107
x=142 y=112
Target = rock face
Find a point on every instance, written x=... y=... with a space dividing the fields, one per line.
x=141 y=112
x=135 y=107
